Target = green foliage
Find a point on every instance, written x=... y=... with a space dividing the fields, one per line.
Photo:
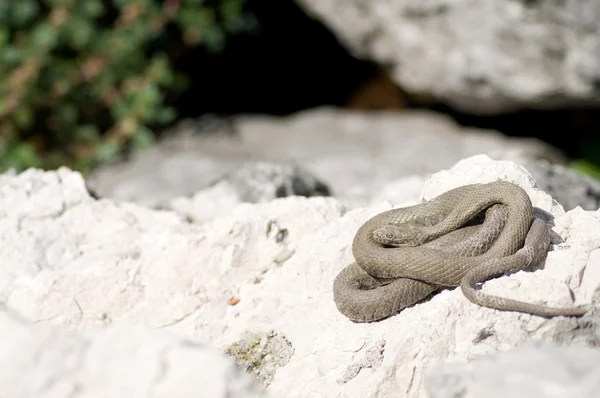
x=586 y=167
x=589 y=162
x=81 y=81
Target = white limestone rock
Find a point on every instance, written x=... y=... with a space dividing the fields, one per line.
x=267 y=269
x=539 y=370
x=122 y=362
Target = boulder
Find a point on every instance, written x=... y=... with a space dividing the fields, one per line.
x=106 y=287
x=481 y=57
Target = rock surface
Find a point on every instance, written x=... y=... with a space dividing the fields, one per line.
x=532 y=370
x=255 y=282
x=569 y=187
x=252 y=183
x=485 y=57
x=123 y=361
x=354 y=154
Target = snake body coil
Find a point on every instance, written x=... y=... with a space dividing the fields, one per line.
x=438 y=244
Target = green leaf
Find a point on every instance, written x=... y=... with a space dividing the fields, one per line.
x=79 y=32
x=23 y=156
x=586 y=167
x=92 y=8
x=214 y=39
x=192 y=3
x=231 y=8
x=6 y=140
x=60 y=3
x=4 y=36
x=197 y=19
x=87 y=133
x=23 y=117
x=23 y=12
x=11 y=55
x=160 y=69
x=44 y=36
x=143 y=138
x=165 y=115
x=150 y=94
x=4 y=13
x=120 y=110
x=235 y=24
x=67 y=113
x=121 y=3
x=106 y=152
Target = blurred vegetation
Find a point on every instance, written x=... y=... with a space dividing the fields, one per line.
x=589 y=161
x=85 y=81
x=82 y=81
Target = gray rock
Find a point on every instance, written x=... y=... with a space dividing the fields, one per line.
x=257 y=182
x=485 y=57
x=355 y=153
x=569 y=187
x=209 y=124
x=537 y=370
x=261 y=181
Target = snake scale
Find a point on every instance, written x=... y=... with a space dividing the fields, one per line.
x=460 y=238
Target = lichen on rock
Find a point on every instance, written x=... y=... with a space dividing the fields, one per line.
x=261 y=354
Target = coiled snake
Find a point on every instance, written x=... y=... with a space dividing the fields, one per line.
x=439 y=244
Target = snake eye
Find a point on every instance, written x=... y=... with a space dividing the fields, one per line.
x=389 y=235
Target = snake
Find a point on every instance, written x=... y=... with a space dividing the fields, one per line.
x=463 y=237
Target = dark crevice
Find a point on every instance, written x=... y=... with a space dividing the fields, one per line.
x=291 y=63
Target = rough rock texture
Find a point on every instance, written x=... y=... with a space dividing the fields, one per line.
x=538 y=370
x=263 y=269
x=122 y=362
x=481 y=56
x=252 y=183
x=261 y=354
x=354 y=154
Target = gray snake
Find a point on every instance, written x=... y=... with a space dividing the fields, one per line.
x=404 y=255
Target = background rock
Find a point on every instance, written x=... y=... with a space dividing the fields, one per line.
x=252 y=183
x=569 y=187
x=354 y=154
x=482 y=57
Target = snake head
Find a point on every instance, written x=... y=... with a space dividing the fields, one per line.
x=383 y=236
x=395 y=235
